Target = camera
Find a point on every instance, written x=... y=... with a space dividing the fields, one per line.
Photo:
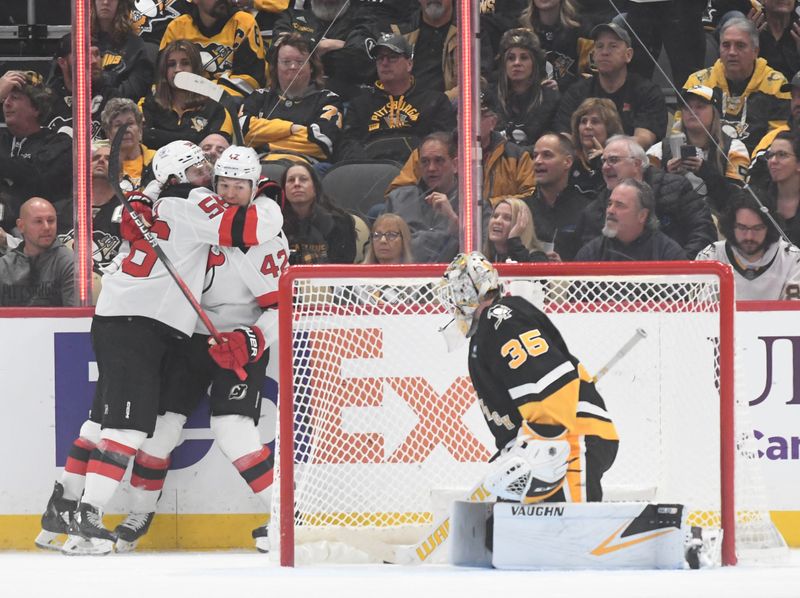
x=690 y=151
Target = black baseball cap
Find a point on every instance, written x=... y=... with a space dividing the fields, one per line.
x=795 y=82
x=394 y=42
x=612 y=28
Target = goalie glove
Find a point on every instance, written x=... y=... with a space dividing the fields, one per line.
x=530 y=468
x=242 y=346
x=128 y=229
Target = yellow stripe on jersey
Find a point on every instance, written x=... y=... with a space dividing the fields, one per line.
x=589 y=426
x=558 y=408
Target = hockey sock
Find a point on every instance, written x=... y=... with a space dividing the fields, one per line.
x=152 y=462
x=108 y=463
x=74 y=476
x=238 y=439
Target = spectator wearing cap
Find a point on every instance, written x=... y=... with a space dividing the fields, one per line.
x=34 y=161
x=765 y=266
x=507 y=168
x=557 y=204
x=675 y=24
x=527 y=105
x=127 y=64
x=171 y=113
x=681 y=213
x=341 y=35
x=229 y=41
x=752 y=100
x=39 y=271
x=631 y=232
x=639 y=102
x=758 y=173
x=295 y=117
x=60 y=118
x=700 y=158
x=396 y=106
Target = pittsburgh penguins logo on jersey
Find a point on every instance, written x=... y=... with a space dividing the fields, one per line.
x=147 y=13
x=198 y=123
x=499 y=312
x=218 y=58
x=237 y=392
x=560 y=63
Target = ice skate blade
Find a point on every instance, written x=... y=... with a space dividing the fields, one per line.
x=122 y=546
x=76 y=545
x=49 y=540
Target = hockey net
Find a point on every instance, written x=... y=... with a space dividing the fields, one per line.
x=379 y=427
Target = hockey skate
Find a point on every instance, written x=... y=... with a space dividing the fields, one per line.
x=56 y=519
x=261 y=536
x=87 y=535
x=129 y=531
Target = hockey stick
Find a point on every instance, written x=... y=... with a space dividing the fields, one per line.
x=114 y=163
x=207 y=88
x=419 y=553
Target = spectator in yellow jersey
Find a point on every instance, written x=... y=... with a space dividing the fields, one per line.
x=135 y=156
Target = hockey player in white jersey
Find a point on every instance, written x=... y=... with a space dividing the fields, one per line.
x=765 y=266
x=240 y=297
x=142 y=322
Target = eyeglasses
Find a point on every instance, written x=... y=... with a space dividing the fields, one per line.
x=758 y=228
x=291 y=64
x=780 y=155
x=389 y=236
x=614 y=159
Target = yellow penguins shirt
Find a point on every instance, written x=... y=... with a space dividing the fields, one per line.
x=521 y=368
x=133 y=170
x=270 y=116
x=231 y=50
x=751 y=114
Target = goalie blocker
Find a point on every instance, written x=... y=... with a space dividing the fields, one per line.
x=631 y=535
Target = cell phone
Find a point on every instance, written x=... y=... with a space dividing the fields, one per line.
x=689 y=151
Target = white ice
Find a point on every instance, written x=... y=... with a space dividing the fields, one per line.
x=250 y=575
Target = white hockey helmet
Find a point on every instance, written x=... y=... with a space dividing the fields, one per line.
x=469 y=278
x=173 y=159
x=239 y=162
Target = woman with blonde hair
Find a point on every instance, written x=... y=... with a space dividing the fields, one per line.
x=170 y=113
x=510 y=236
x=389 y=241
x=565 y=41
x=594 y=122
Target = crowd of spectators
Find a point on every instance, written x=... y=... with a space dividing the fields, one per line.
x=584 y=155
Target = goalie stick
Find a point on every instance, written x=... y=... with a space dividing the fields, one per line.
x=422 y=551
x=207 y=88
x=114 y=164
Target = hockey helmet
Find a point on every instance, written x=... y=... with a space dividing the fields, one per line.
x=467 y=281
x=174 y=159
x=239 y=162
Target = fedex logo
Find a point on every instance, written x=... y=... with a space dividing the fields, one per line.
x=75 y=377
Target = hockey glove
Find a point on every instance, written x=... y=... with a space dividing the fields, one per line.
x=127 y=227
x=269 y=188
x=242 y=346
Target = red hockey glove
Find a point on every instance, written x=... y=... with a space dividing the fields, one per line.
x=127 y=227
x=242 y=346
x=269 y=188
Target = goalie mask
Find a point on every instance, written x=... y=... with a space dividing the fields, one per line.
x=174 y=159
x=469 y=278
x=239 y=162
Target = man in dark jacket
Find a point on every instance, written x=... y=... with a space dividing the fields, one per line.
x=33 y=160
x=395 y=106
x=631 y=229
x=681 y=213
x=39 y=271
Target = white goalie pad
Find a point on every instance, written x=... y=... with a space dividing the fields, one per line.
x=570 y=536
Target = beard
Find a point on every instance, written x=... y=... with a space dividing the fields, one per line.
x=327 y=11
x=609 y=232
x=751 y=248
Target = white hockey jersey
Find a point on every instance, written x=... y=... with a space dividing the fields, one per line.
x=775 y=276
x=186 y=229
x=241 y=287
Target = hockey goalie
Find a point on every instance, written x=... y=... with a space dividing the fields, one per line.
x=555 y=441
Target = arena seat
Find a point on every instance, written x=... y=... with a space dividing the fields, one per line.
x=356 y=186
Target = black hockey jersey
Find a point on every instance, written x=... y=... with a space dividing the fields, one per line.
x=522 y=369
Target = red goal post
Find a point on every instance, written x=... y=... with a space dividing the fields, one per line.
x=319 y=304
